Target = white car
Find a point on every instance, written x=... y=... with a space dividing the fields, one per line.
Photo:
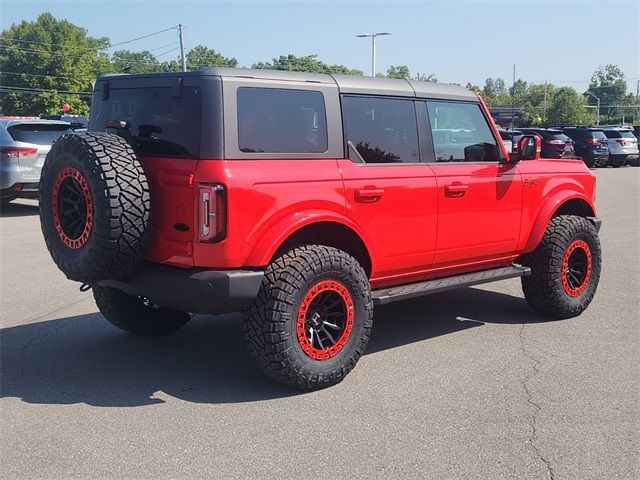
x=623 y=146
x=24 y=144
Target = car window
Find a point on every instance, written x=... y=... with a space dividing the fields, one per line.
x=561 y=136
x=599 y=134
x=612 y=134
x=38 y=133
x=160 y=124
x=273 y=120
x=383 y=130
x=461 y=133
x=627 y=134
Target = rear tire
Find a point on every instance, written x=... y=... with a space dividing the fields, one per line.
x=312 y=318
x=137 y=315
x=565 y=268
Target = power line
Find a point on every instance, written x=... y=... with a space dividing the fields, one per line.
x=37 y=75
x=41 y=90
x=49 y=44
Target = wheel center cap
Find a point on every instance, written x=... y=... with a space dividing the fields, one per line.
x=315 y=319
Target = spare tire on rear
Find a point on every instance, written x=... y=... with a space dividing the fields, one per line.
x=94 y=207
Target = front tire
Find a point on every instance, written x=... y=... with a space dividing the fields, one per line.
x=565 y=268
x=136 y=314
x=312 y=318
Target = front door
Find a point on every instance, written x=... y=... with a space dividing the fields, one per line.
x=479 y=197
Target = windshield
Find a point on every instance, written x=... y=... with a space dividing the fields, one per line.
x=38 y=133
x=161 y=124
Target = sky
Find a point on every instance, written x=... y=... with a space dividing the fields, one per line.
x=562 y=42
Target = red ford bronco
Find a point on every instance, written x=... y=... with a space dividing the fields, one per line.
x=305 y=200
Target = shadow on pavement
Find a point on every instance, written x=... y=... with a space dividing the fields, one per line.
x=82 y=359
x=15 y=209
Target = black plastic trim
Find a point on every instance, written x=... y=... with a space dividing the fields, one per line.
x=393 y=294
x=193 y=290
x=597 y=222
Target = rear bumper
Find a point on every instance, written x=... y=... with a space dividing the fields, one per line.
x=193 y=290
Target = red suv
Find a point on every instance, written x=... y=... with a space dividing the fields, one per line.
x=305 y=200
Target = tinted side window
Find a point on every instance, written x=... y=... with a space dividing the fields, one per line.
x=461 y=133
x=383 y=130
x=272 y=120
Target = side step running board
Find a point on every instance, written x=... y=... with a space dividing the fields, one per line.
x=392 y=294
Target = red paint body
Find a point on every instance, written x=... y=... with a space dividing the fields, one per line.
x=416 y=220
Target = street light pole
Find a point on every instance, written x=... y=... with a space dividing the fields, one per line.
x=373 y=48
x=597 y=100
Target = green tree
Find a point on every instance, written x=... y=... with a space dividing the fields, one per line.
x=201 y=56
x=125 y=61
x=308 y=63
x=608 y=84
x=401 y=71
x=519 y=91
x=495 y=92
x=43 y=60
x=568 y=108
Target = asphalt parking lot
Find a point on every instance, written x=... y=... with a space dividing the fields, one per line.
x=465 y=384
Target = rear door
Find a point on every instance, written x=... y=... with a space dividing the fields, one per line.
x=389 y=193
x=165 y=124
x=479 y=197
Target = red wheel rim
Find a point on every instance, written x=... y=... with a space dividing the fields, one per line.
x=325 y=320
x=72 y=206
x=576 y=268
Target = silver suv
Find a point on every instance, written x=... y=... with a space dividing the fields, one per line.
x=24 y=144
x=623 y=146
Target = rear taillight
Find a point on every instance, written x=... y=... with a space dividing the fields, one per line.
x=621 y=142
x=212 y=213
x=593 y=141
x=555 y=142
x=16 y=152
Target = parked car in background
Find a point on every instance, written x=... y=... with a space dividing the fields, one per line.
x=623 y=146
x=555 y=144
x=78 y=122
x=24 y=144
x=507 y=139
x=591 y=145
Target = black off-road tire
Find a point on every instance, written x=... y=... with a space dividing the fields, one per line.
x=548 y=289
x=117 y=206
x=270 y=327
x=136 y=315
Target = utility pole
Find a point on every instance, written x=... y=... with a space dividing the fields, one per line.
x=513 y=95
x=182 y=56
x=544 y=110
x=597 y=100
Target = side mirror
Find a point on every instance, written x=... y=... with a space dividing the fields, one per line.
x=529 y=148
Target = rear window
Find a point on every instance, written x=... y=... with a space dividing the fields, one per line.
x=612 y=134
x=599 y=134
x=161 y=125
x=561 y=136
x=38 y=133
x=627 y=134
x=273 y=120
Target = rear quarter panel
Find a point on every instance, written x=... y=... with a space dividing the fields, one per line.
x=263 y=208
